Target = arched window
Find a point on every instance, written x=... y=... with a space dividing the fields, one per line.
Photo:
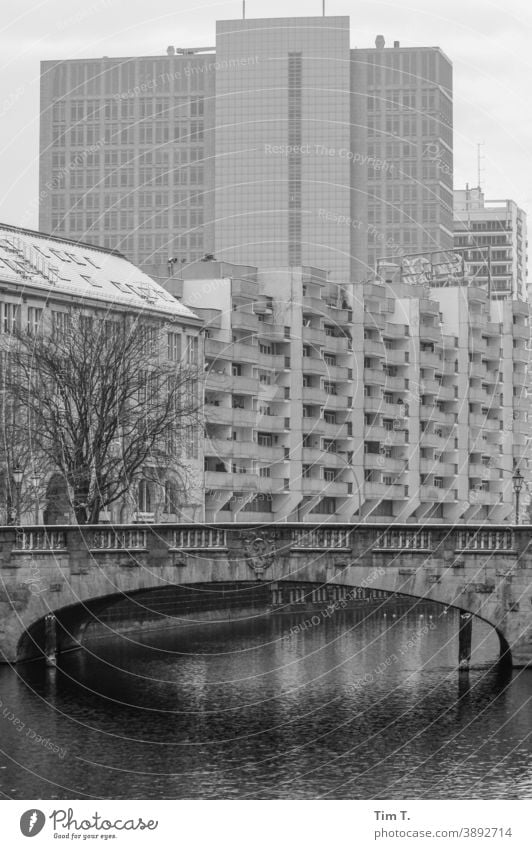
x=144 y=497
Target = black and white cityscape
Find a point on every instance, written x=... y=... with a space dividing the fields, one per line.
x=265 y=405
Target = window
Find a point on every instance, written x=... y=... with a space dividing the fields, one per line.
x=265 y=439
x=174 y=347
x=60 y=323
x=144 y=497
x=329 y=474
x=10 y=318
x=34 y=320
x=170 y=497
x=329 y=417
x=330 y=388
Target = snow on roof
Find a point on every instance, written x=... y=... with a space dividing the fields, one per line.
x=50 y=264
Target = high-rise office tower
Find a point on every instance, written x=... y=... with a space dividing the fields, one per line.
x=282 y=143
x=280 y=146
x=409 y=132
x=491 y=234
x=126 y=156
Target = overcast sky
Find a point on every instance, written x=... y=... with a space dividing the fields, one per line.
x=489 y=43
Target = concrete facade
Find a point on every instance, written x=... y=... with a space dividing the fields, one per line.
x=386 y=399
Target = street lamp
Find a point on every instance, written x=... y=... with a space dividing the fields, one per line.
x=18 y=474
x=36 y=481
x=518 y=481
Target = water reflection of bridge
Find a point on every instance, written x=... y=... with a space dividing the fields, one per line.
x=81 y=575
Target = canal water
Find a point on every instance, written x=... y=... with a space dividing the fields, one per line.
x=356 y=705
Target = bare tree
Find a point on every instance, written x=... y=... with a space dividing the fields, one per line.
x=99 y=402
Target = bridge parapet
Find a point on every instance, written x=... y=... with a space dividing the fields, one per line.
x=486 y=570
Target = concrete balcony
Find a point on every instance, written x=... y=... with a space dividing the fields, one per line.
x=234 y=448
x=385 y=464
x=431 y=440
x=275 y=362
x=374 y=348
x=335 y=402
x=314 y=365
x=242 y=385
x=374 y=405
x=434 y=467
x=477 y=370
x=216 y=349
x=429 y=359
x=272 y=485
x=394 y=384
x=373 y=490
x=521 y=355
x=316 y=338
x=429 y=333
x=375 y=320
x=336 y=344
x=337 y=373
x=479 y=470
x=218 y=415
x=521 y=331
x=374 y=377
x=245 y=289
x=243 y=353
x=315 y=305
x=314 y=395
x=245 y=321
x=334 y=430
x=312 y=486
x=446 y=393
x=314 y=424
x=246 y=417
x=376 y=433
x=272 y=332
x=481 y=421
x=395 y=331
x=394 y=356
x=272 y=424
x=218 y=380
x=481 y=497
x=436 y=494
x=434 y=415
x=230 y=481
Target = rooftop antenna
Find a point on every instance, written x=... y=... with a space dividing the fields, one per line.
x=323 y=7
x=243 y=9
x=480 y=157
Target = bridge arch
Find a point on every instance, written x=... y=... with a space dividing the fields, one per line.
x=160 y=607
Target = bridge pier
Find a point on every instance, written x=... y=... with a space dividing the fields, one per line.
x=50 y=640
x=464 y=640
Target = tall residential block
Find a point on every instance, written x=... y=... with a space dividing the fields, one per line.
x=492 y=237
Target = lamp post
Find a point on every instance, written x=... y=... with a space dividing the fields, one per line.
x=18 y=474
x=518 y=481
x=35 y=481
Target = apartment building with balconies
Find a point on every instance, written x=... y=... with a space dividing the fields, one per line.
x=387 y=400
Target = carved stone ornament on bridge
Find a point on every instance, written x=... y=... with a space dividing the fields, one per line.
x=259 y=550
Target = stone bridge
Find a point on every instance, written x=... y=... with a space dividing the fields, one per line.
x=55 y=581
